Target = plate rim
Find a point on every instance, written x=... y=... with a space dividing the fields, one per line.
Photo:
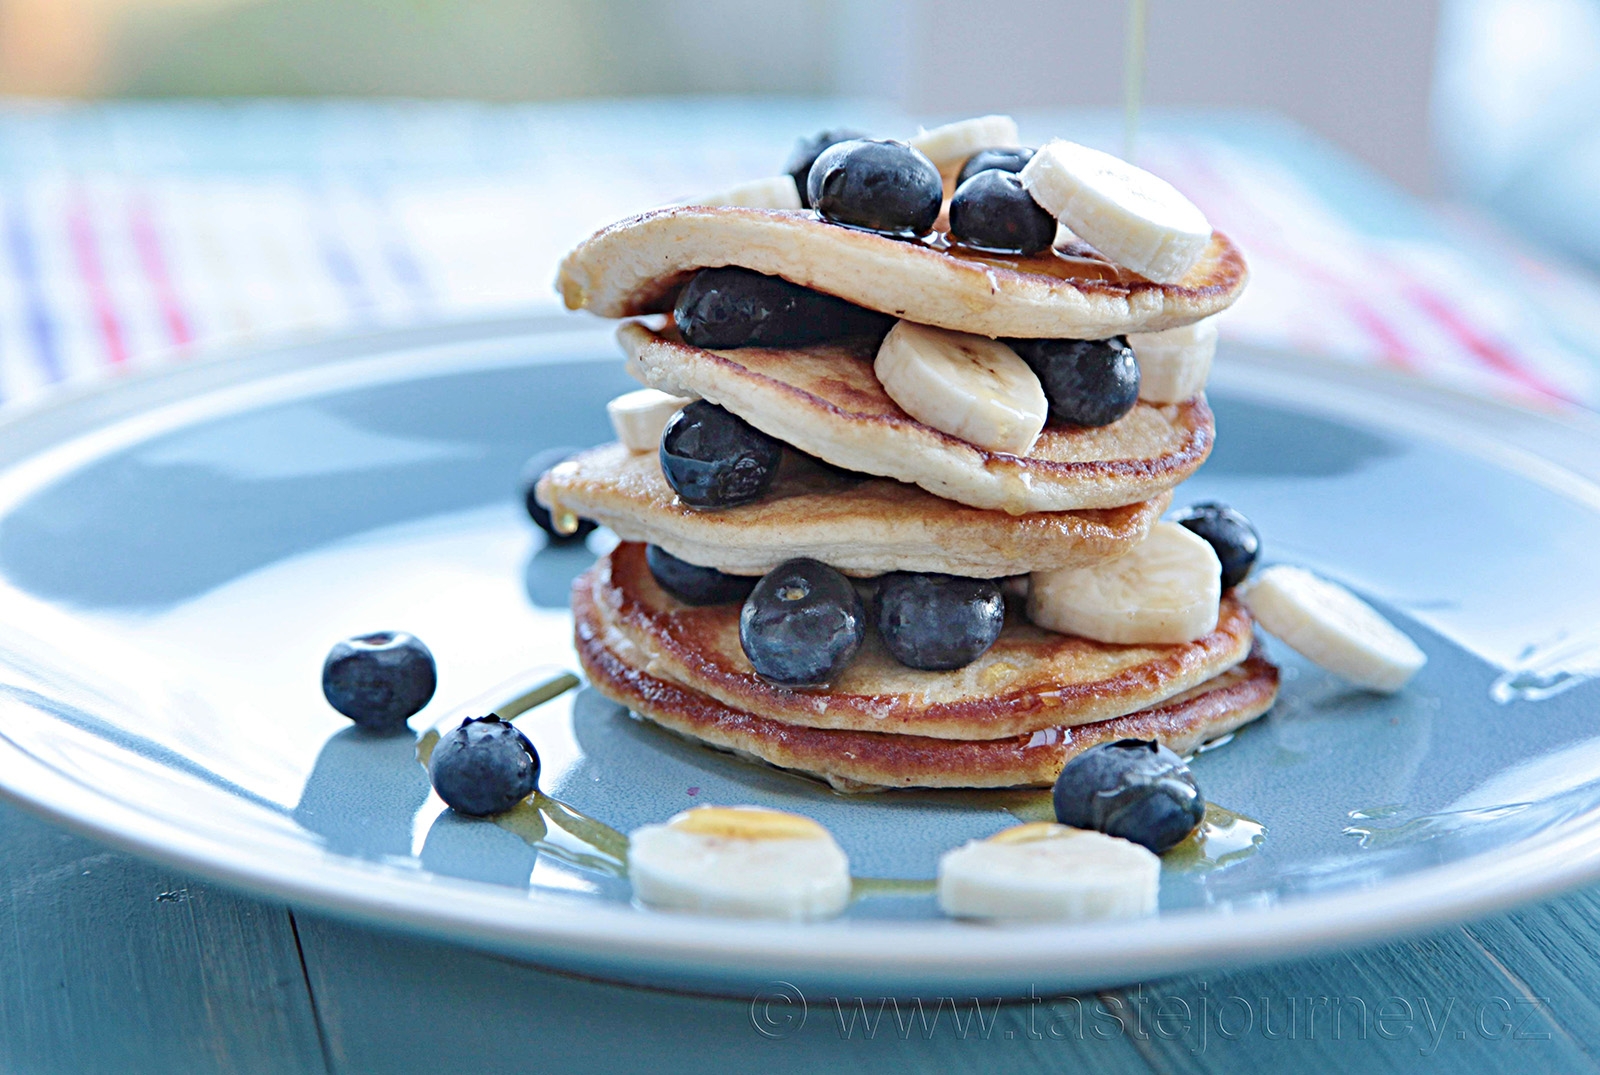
x=618 y=943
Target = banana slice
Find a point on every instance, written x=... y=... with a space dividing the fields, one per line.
x=1165 y=591
x=638 y=417
x=949 y=146
x=776 y=192
x=740 y=861
x=1174 y=365
x=1136 y=219
x=968 y=386
x=1048 y=871
x=1332 y=627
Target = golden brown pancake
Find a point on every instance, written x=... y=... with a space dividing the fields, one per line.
x=638 y=265
x=1029 y=680
x=861 y=527
x=866 y=761
x=826 y=400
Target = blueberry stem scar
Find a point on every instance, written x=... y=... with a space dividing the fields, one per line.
x=550 y=688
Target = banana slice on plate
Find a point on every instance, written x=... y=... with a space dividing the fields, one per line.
x=638 y=417
x=774 y=192
x=968 y=386
x=1136 y=219
x=740 y=861
x=1045 y=871
x=949 y=146
x=1174 y=365
x=1166 y=590
x=1332 y=627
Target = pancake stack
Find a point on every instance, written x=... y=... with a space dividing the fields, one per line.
x=869 y=490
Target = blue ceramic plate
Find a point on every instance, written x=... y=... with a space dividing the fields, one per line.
x=177 y=553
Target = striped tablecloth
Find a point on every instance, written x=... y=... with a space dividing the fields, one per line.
x=137 y=234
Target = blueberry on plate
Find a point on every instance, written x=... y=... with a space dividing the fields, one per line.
x=379 y=680
x=1229 y=534
x=938 y=622
x=485 y=766
x=712 y=458
x=532 y=471
x=805 y=155
x=1087 y=382
x=991 y=211
x=1134 y=788
x=802 y=624
x=735 y=307
x=1005 y=160
x=696 y=585
x=877 y=185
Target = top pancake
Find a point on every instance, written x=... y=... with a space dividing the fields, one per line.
x=638 y=265
x=827 y=401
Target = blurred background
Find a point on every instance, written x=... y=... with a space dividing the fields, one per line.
x=1470 y=96
x=1489 y=110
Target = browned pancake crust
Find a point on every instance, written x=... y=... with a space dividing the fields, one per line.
x=855 y=761
x=637 y=266
x=865 y=527
x=1030 y=680
x=826 y=400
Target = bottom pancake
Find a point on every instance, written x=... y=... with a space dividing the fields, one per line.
x=872 y=761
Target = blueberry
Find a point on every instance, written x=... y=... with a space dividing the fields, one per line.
x=734 y=307
x=694 y=584
x=805 y=155
x=876 y=185
x=938 y=622
x=1229 y=534
x=1087 y=382
x=713 y=458
x=532 y=471
x=1133 y=788
x=379 y=680
x=802 y=625
x=991 y=211
x=1006 y=160
x=486 y=766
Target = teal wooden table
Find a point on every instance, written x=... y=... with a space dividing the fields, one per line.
x=112 y=964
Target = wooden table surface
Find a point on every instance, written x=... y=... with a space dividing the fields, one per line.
x=116 y=965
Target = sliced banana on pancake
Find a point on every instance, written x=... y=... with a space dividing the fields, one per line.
x=638 y=417
x=1175 y=364
x=1166 y=591
x=638 y=266
x=740 y=861
x=1043 y=871
x=968 y=386
x=1333 y=627
x=1136 y=219
x=861 y=527
x=827 y=401
x=773 y=192
x=950 y=145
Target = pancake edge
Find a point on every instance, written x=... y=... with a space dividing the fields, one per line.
x=947 y=466
x=618 y=607
x=876 y=761
x=635 y=266
x=925 y=533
